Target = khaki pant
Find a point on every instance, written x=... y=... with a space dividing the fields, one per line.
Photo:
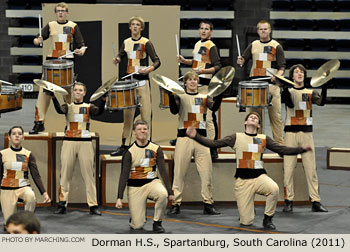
x=298 y=139
x=209 y=117
x=145 y=111
x=43 y=102
x=245 y=190
x=137 y=197
x=83 y=150
x=184 y=150
x=274 y=114
x=9 y=200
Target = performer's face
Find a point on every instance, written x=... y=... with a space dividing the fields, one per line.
x=141 y=132
x=16 y=137
x=264 y=31
x=61 y=14
x=135 y=27
x=253 y=120
x=298 y=76
x=78 y=93
x=204 y=31
x=191 y=85
x=16 y=229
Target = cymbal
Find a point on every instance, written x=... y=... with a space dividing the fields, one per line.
x=281 y=78
x=325 y=73
x=168 y=84
x=6 y=82
x=104 y=88
x=50 y=86
x=221 y=81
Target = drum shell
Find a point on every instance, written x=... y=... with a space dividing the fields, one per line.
x=59 y=72
x=11 y=99
x=164 y=96
x=253 y=93
x=123 y=96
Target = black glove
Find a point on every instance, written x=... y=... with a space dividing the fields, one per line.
x=48 y=92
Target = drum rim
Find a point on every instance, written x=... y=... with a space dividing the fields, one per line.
x=49 y=63
x=253 y=83
x=118 y=87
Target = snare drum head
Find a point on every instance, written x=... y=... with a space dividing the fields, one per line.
x=124 y=85
x=58 y=64
x=10 y=89
x=253 y=84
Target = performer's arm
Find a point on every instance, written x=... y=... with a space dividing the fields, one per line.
x=161 y=167
x=214 y=103
x=174 y=103
x=124 y=173
x=78 y=37
x=320 y=99
x=284 y=150
x=153 y=55
x=286 y=98
x=246 y=56
x=226 y=141
x=215 y=61
x=45 y=34
x=98 y=108
x=35 y=173
x=1 y=168
x=281 y=61
x=120 y=55
x=59 y=109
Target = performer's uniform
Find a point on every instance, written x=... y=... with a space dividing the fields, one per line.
x=298 y=128
x=206 y=55
x=63 y=35
x=268 y=56
x=15 y=165
x=251 y=177
x=137 y=52
x=192 y=110
x=139 y=171
x=77 y=144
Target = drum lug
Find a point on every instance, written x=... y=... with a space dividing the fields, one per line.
x=238 y=101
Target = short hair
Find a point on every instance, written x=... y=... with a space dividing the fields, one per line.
x=263 y=21
x=137 y=18
x=301 y=67
x=16 y=127
x=29 y=221
x=62 y=5
x=205 y=21
x=79 y=83
x=253 y=113
x=139 y=122
x=190 y=74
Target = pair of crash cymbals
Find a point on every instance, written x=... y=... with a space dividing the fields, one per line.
x=50 y=86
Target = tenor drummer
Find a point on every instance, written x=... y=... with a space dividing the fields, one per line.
x=205 y=62
x=267 y=56
x=63 y=33
x=137 y=49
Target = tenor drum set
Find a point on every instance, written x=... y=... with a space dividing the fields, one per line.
x=11 y=97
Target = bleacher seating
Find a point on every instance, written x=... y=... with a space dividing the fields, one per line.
x=304 y=24
x=320 y=45
x=325 y=5
x=284 y=24
x=326 y=25
x=344 y=24
x=303 y=5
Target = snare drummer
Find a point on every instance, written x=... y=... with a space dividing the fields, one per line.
x=205 y=62
x=63 y=33
x=137 y=49
x=267 y=55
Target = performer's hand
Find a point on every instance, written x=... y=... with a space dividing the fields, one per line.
x=80 y=51
x=171 y=198
x=38 y=41
x=46 y=198
x=198 y=70
x=191 y=132
x=116 y=60
x=144 y=70
x=240 y=61
x=48 y=92
x=119 y=203
x=307 y=148
x=180 y=59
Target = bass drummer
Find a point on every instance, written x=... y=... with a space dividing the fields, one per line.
x=63 y=33
x=267 y=56
x=137 y=49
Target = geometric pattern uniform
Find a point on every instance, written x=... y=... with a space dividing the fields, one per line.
x=15 y=168
x=137 y=55
x=78 y=120
x=201 y=56
x=264 y=58
x=192 y=112
x=144 y=160
x=62 y=38
x=301 y=114
x=249 y=151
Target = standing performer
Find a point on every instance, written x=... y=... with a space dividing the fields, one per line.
x=15 y=162
x=267 y=55
x=137 y=49
x=63 y=33
x=205 y=62
x=77 y=144
x=298 y=128
x=251 y=177
x=139 y=171
x=192 y=108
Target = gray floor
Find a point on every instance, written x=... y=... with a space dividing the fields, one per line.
x=331 y=129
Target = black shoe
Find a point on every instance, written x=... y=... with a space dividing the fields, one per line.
x=175 y=209
x=172 y=142
x=38 y=127
x=267 y=222
x=120 y=151
x=214 y=153
x=210 y=209
x=61 y=209
x=94 y=211
x=288 y=206
x=318 y=207
x=157 y=227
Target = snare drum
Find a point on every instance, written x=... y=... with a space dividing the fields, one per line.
x=164 y=96
x=253 y=94
x=59 y=72
x=123 y=96
x=10 y=99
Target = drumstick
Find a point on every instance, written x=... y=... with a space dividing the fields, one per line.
x=40 y=28
x=126 y=76
x=70 y=53
x=6 y=82
x=238 y=47
x=263 y=78
x=177 y=48
x=114 y=51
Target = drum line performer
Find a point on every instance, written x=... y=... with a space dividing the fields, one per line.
x=267 y=55
x=137 y=49
x=15 y=164
x=140 y=165
x=63 y=33
x=298 y=128
x=251 y=177
x=205 y=62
